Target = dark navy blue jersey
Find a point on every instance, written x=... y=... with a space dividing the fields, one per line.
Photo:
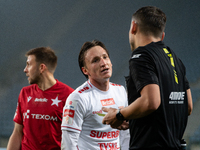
x=156 y=63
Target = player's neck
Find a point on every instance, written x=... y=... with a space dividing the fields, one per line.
x=143 y=40
x=101 y=85
x=47 y=82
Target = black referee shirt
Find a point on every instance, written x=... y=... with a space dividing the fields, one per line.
x=156 y=63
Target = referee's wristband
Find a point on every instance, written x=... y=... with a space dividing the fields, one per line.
x=119 y=116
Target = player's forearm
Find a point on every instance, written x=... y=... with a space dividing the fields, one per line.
x=148 y=102
x=14 y=142
x=190 y=104
x=137 y=110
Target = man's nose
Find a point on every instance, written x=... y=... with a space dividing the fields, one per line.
x=103 y=62
x=25 y=69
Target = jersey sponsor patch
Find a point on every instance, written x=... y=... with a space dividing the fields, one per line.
x=40 y=100
x=108 y=146
x=176 y=98
x=71 y=104
x=107 y=102
x=29 y=115
x=69 y=111
x=106 y=135
x=100 y=113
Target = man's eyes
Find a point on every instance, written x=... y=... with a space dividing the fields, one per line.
x=95 y=60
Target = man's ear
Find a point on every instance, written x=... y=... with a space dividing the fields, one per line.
x=42 y=67
x=163 y=35
x=85 y=71
x=133 y=27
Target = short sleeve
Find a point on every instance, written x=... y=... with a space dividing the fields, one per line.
x=187 y=83
x=142 y=70
x=18 y=117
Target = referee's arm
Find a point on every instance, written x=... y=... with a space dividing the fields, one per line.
x=190 y=104
x=148 y=102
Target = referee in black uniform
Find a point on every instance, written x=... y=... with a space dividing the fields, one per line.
x=158 y=92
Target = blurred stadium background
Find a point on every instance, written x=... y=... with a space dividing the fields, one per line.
x=65 y=25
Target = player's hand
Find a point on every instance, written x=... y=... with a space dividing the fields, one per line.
x=110 y=117
x=124 y=125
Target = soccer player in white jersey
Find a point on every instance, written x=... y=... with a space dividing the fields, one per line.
x=82 y=127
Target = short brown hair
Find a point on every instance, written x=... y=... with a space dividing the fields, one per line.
x=44 y=55
x=85 y=47
x=150 y=20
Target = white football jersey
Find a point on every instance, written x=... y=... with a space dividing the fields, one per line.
x=82 y=114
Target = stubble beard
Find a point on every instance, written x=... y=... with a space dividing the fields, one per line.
x=35 y=80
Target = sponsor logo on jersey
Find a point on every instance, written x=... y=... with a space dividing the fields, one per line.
x=176 y=97
x=102 y=135
x=69 y=112
x=97 y=112
x=108 y=146
x=41 y=100
x=100 y=113
x=71 y=107
x=44 y=117
x=136 y=56
x=107 y=102
x=55 y=101
x=28 y=115
x=29 y=98
x=71 y=104
x=25 y=115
